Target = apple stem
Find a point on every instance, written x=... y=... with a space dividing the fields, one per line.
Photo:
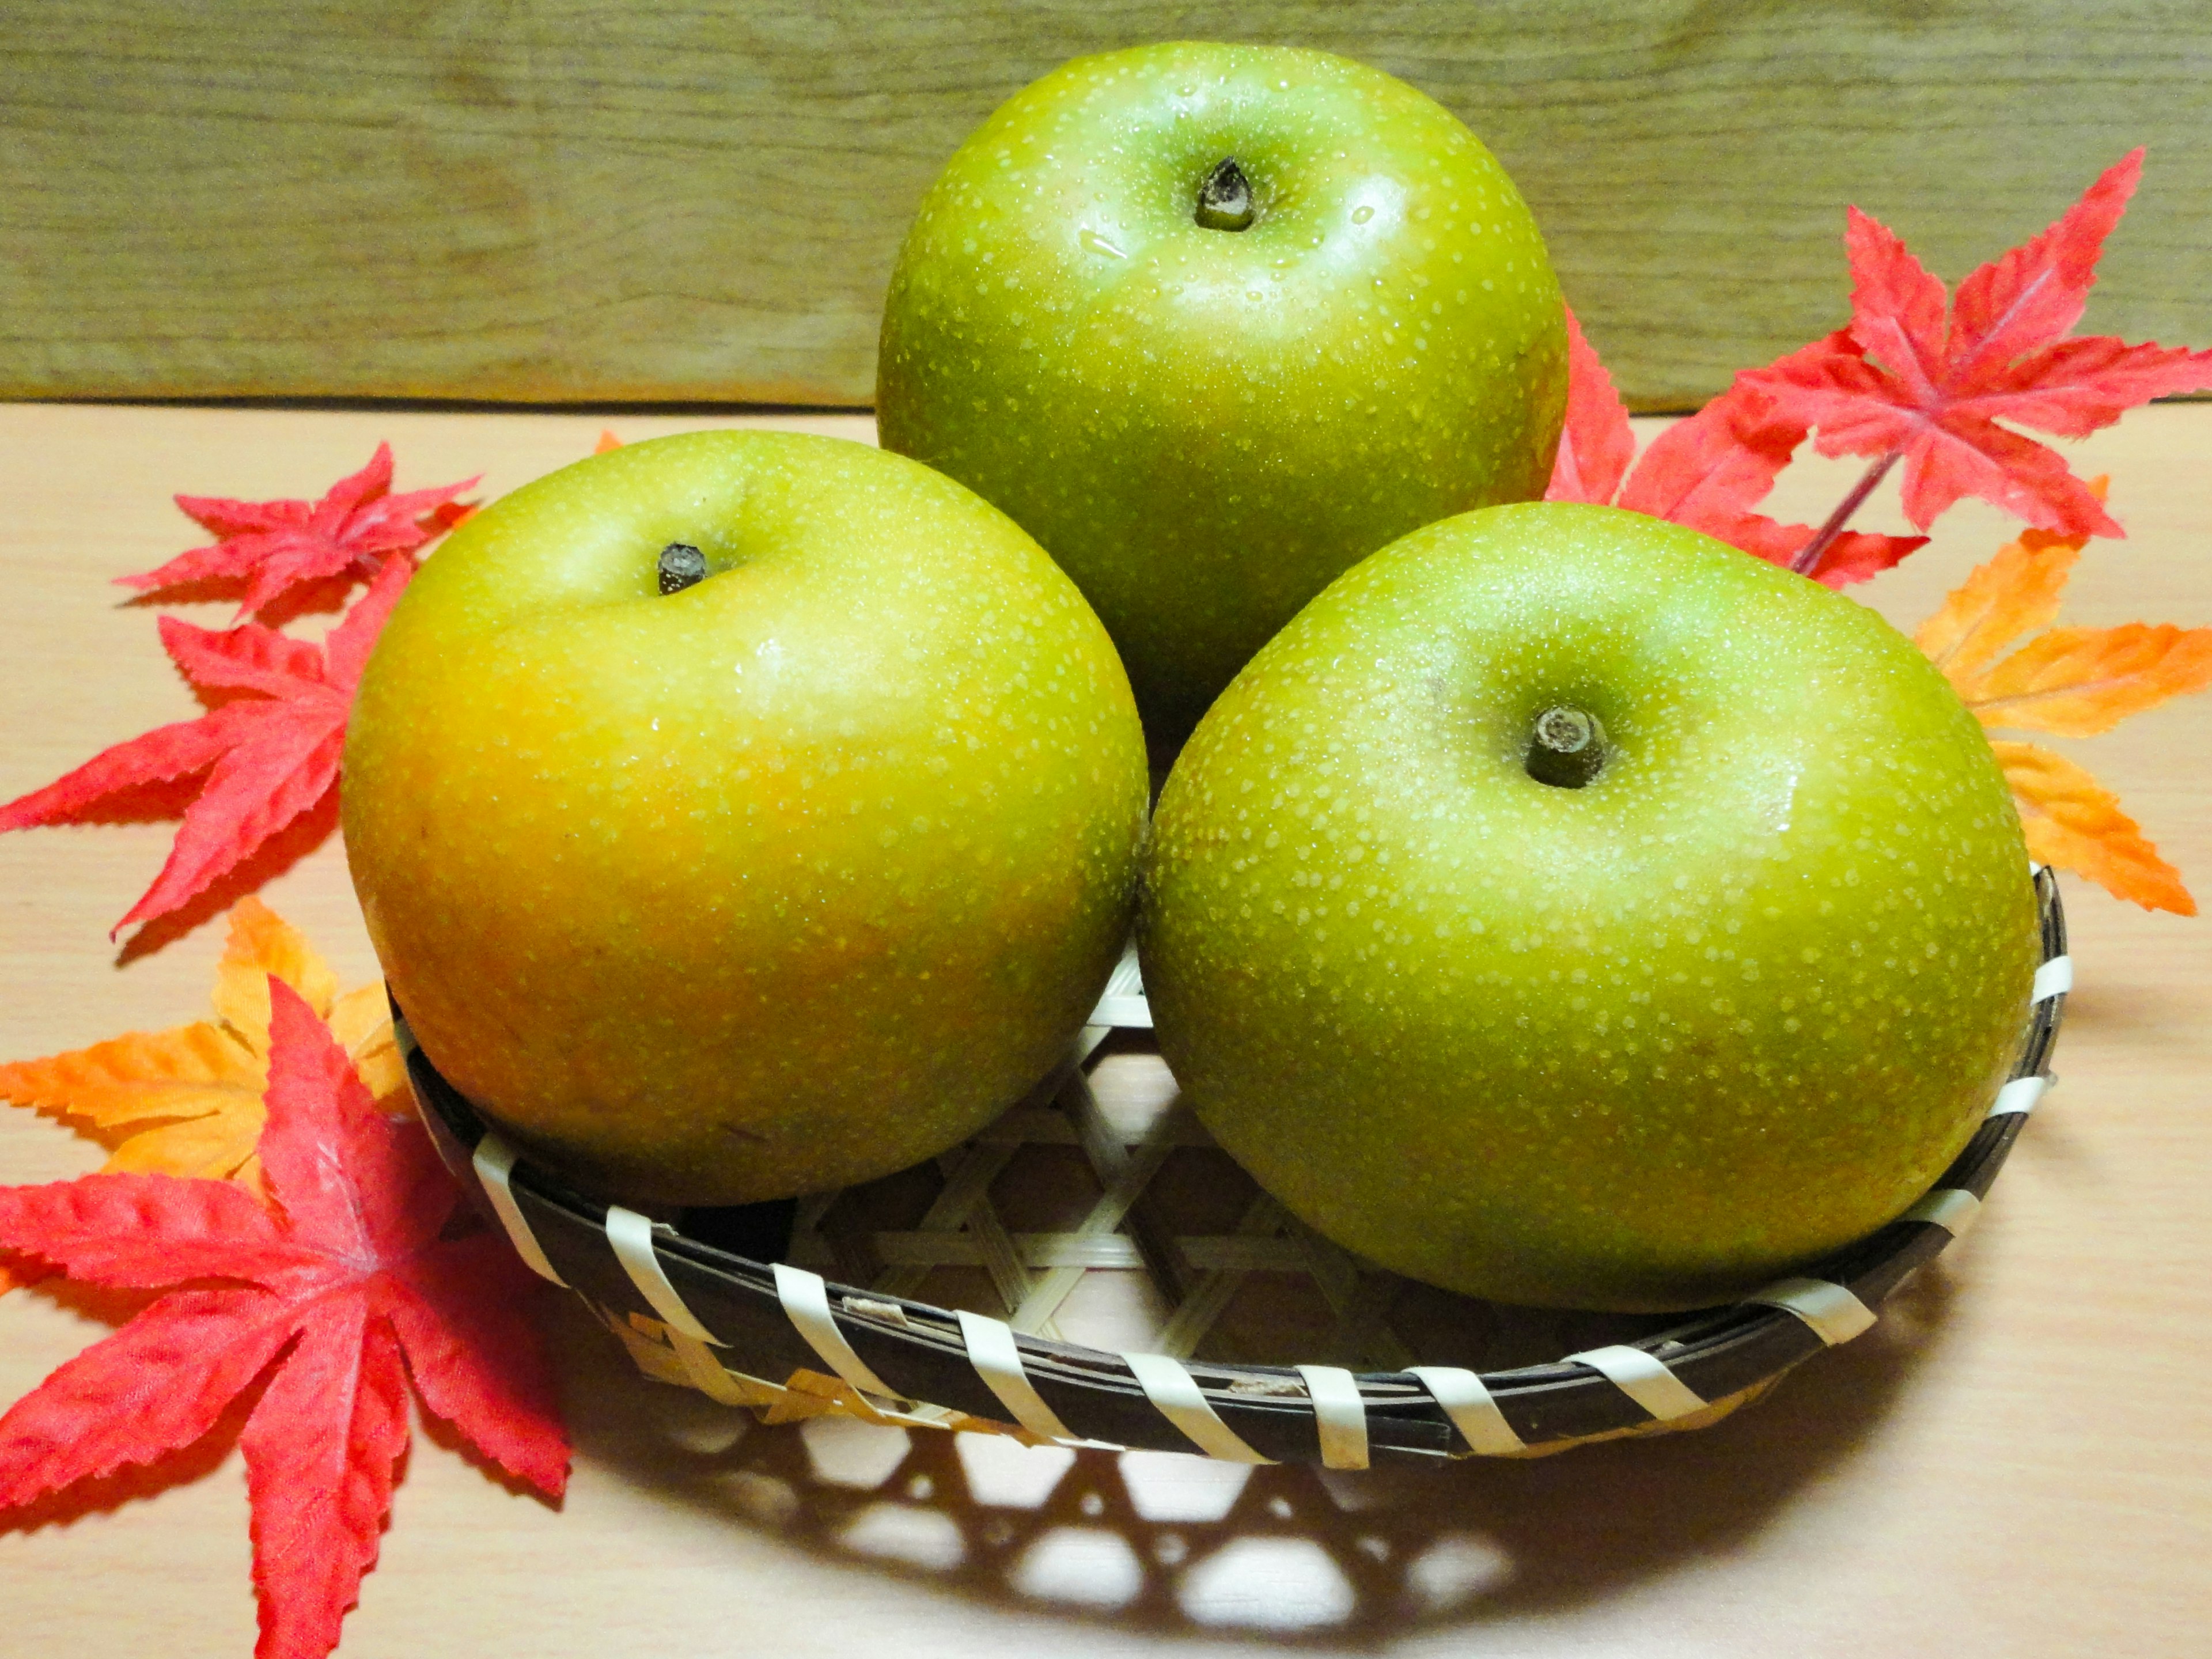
x=1808 y=561
x=1224 y=200
x=682 y=566
x=1568 y=749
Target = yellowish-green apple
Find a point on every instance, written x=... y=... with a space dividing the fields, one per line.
x=741 y=813
x=1567 y=909
x=1214 y=322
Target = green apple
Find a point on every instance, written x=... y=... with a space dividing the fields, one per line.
x=1567 y=909
x=742 y=813
x=1213 y=323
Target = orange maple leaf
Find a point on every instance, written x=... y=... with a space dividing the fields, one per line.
x=607 y=440
x=2075 y=682
x=187 y=1101
x=2074 y=823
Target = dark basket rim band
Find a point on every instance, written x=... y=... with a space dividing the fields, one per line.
x=770 y=1320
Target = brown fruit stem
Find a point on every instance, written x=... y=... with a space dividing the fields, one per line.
x=682 y=566
x=1567 y=748
x=1224 y=200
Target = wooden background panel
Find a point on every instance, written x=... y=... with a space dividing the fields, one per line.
x=574 y=200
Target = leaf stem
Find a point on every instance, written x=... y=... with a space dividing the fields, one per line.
x=1808 y=561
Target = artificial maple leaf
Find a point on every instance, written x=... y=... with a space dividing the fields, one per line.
x=1923 y=378
x=2075 y=682
x=1705 y=472
x=2073 y=823
x=270 y=756
x=350 y=1290
x=607 y=440
x=2016 y=590
x=187 y=1101
x=1596 y=442
x=276 y=546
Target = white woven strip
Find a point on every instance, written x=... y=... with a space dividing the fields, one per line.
x=1030 y=1126
x=1008 y=1276
x=1176 y=1393
x=1096 y=1229
x=997 y=1359
x=1643 y=1379
x=1045 y=1250
x=631 y=1234
x=2019 y=1096
x=1208 y=1299
x=968 y=1177
x=703 y=1371
x=1123 y=1003
x=1334 y=1274
x=1340 y=1415
x=805 y=1301
x=2054 y=978
x=1471 y=1407
x=494 y=1168
x=1832 y=1312
x=1235 y=1253
x=1104 y=1147
x=1951 y=1208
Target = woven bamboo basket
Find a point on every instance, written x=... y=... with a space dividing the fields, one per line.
x=1099 y=1202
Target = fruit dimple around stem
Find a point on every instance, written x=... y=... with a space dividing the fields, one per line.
x=682 y=566
x=1566 y=747
x=1224 y=200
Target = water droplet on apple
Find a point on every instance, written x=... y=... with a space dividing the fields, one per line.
x=1095 y=243
x=1362 y=214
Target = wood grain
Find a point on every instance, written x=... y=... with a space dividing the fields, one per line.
x=572 y=200
x=2016 y=1461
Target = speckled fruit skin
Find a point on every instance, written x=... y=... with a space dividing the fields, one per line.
x=780 y=882
x=1643 y=1045
x=1205 y=428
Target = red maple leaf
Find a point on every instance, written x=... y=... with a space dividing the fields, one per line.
x=1706 y=471
x=1923 y=378
x=348 y=1292
x=271 y=750
x=276 y=546
x=1596 y=443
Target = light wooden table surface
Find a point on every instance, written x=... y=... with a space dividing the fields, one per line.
x=2017 y=1460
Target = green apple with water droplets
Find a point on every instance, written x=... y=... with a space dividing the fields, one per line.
x=1567 y=909
x=742 y=813
x=1212 y=322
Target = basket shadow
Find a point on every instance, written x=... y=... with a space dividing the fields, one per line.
x=1183 y=1546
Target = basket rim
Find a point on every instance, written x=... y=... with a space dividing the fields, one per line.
x=895 y=1352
